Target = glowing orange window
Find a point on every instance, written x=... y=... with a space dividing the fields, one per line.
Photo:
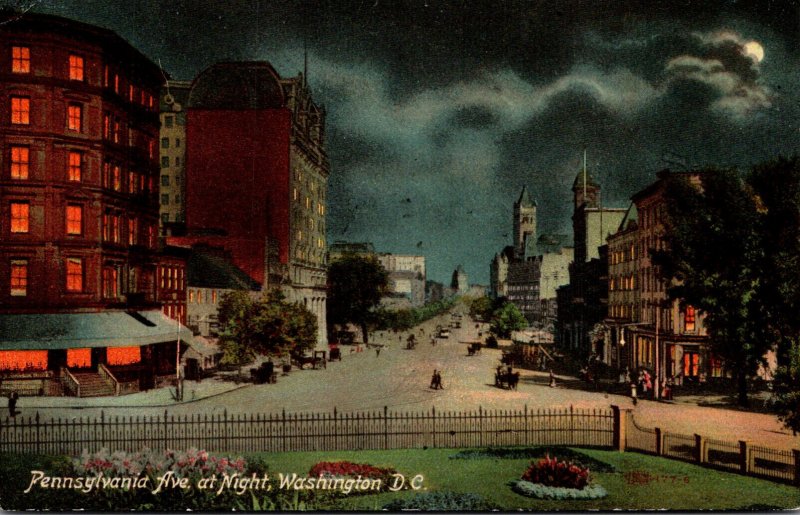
x=79 y=358
x=23 y=360
x=107 y=126
x=74 y=274
x=110 y=282
x=132 y=230
x=20 y=59
x=74 y=219
x=74 y=166
x=74 y=117
x=75 y=67
x=19 y=277
x=20 y=162
x=123 y=355
x=20 y=217
x=688 y=318
x=117 y=178
x=131 y=93
x=20 y=110
x=115 y=229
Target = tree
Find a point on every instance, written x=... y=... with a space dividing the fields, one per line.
x=265 y=325
x=507 y=319
x=776 y=185
x=481 y=308
x=713 y=258
x=355 y=287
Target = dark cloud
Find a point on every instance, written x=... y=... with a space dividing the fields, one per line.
x=457 y=105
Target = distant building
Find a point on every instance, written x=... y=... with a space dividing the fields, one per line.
x=339 y=249
x=406 y=277
x=498 y=273
x=172 y=154
x=459 y=282
x=583 y=304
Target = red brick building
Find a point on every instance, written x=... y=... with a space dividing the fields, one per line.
x=78 y=202
x=256 y=178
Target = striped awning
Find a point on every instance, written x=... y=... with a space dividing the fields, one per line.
x=49 y=331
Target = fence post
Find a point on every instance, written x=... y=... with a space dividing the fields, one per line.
x=744 y=463
x=283 y=430
x=103 y=429
x=166 y=425
x=38 y=438
x=385 y=427
x=433 y=411
x=620 y=425
x=700 y=448
x=526 y=425
x=659 y=441
x=796 y=453
x=480 y=425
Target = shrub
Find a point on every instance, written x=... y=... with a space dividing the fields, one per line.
x=551 y=472
x=541 y=491
x=442 y=501
x=516 y=453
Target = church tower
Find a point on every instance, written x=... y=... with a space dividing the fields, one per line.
x=524 y=222
x=585 y=190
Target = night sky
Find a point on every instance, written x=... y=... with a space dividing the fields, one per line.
x=439 y=112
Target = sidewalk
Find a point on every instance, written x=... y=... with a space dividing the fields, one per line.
x=159 y=397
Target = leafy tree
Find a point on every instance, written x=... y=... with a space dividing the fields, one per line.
x=776 y=185
x=481 y=308
x=265 y=325
x=713 y=257
x=355 y=287
x=507 y=319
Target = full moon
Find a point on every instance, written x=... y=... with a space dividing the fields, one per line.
x=754 y=49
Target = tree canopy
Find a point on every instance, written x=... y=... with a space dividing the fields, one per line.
x=733 y=251
x=264 y=325
x=507 y=319
x=355 y=287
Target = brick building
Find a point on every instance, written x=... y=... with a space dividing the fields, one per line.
x=79 y=251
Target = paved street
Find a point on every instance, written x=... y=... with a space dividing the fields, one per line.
x=400 y=378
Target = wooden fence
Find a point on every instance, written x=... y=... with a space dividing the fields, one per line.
x=310 y=432
x=734 y=456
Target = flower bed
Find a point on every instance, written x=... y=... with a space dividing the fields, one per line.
x=338 y=469
x=550 y=478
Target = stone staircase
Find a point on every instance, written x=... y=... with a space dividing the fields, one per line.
x=93 y=384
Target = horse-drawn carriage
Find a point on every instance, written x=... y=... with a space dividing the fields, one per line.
x=411 y=342
x=317 y=359
x=474 y=348
x=506 y=379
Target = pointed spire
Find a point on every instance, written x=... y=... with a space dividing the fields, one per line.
x=525 y=199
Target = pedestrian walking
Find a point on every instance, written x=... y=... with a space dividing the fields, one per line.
x=439 y=385
x=12 y=403
x=552 y=379
x=433 y=379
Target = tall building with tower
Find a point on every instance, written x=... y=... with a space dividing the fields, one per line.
x=524 y=222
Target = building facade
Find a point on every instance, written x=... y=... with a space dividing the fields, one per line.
x=256 y=178
x=406 y=277
x=172 y=153
x=79 y=206
x=660 y=335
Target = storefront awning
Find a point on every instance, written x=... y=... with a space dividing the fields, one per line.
x=51 y=331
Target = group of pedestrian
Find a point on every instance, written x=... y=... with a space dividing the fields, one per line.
x=436 y=380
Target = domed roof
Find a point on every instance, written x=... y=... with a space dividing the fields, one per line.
x=237 y=85
x=578 y=183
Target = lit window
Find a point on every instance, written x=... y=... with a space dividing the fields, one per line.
x=213 y=296
x=116 y=131
x=20 y=212
x=131 y=93
x=20 y=59
x=74 y=274
x=191 y=295
x=107 y=126
x=116 y=83
x=106 y=73
x=308 y=203
x=20 y=162
x=109 y=282
x=19 y=277
x=117 y=178
x=75 y=67
x=75 y=166
x=20 y=110
x=74 y=219
x=151 y=148
x=294 y=194
x=132 y=230
x=689 y=318
x=115 y=229
x=74 y=117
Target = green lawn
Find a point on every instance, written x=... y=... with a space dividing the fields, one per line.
x=679 y=486
x=672 y=484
